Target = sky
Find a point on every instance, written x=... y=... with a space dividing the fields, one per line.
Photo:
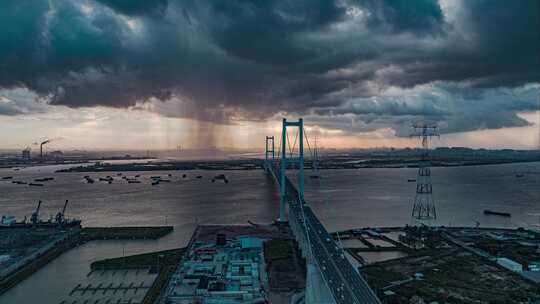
x=113 y=74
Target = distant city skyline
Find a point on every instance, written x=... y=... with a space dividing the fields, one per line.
x=154 y=75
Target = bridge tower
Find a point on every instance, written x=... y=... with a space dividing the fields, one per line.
x=269 y=152
x=317 y=290
x=424 y=206
x=285 y=161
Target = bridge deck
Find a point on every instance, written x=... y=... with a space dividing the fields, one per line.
x=345 y=284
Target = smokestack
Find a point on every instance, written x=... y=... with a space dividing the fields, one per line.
x=41 y=147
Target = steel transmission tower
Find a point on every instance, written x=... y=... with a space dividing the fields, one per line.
x=424 y=206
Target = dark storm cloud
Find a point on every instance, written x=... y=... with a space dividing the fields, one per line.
x=136 y=7
x=267 y=31
x=419 y=16
x=210 y=60
x=488 y=109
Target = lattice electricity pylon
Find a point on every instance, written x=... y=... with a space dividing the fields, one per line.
x=269 y=152
x=424 y=206
x=292 y=160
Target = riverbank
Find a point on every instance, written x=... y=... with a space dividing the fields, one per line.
x=341 y=162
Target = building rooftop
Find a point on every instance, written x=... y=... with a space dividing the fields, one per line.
x=216 y=272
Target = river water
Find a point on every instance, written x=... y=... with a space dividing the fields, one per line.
x=342 y=199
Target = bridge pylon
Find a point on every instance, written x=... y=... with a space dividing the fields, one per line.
x=330 y=277
x=285 y=161
x=269 y=153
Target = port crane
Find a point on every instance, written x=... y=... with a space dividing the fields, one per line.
x=34 y=219
x=60 y=218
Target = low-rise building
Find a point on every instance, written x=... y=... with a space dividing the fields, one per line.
x=510 y=265
x=217 y=272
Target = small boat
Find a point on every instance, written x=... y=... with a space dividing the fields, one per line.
x=489 y=212
x=155 y=183
x=89 y=180
x=220 y=177
x=199 y=176
x=411 y=180
x=7 y=177
x=519 y=175
x=45 y=179
x=133 y=181
x=183 y=176
x=35 y=184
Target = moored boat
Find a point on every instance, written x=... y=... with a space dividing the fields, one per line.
x=490 y=212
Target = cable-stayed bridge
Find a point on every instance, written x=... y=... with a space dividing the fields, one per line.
x=330 y=276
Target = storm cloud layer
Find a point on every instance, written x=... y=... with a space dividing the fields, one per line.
x=353 y=65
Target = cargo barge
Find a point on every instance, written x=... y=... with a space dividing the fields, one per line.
x=504 y=214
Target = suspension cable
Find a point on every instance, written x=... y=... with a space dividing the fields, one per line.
x=309 y=147
x=289 y=144
x=294 y=144
x=279 y=150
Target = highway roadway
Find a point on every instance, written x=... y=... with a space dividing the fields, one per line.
x=345 y=284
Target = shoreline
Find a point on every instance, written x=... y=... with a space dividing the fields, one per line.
x=258 y=164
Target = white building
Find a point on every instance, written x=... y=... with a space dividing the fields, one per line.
x=510 y=265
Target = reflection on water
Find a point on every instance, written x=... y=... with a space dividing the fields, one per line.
x=374 y=257
x=379 y=242
x=365 y=197
x=353 y=243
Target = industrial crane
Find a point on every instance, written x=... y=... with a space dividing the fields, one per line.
x=60 y=215
x=34 y=219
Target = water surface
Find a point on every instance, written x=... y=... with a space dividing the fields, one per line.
x=342 y=199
